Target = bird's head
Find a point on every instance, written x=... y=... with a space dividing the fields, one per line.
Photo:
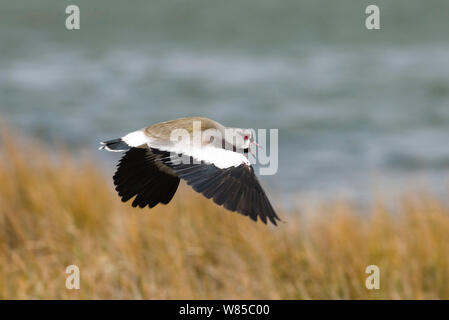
x=239 y=138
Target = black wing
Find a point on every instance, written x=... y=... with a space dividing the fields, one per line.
x=140 y=174
x=236 y=188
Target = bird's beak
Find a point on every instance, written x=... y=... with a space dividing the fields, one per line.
x=256 y=144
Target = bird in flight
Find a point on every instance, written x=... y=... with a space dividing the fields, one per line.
x=207 y=155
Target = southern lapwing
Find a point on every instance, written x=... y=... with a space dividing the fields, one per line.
x=207 y=155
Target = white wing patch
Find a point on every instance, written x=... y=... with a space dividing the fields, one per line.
x=221 y=158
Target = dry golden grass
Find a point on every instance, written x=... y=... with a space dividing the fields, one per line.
x=54 y=213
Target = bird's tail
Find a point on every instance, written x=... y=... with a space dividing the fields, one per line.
x=131 y=140
x=115 y=145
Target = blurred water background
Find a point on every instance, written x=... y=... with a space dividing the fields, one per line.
x=356 y=110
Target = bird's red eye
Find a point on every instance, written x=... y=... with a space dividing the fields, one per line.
x=245 y=137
